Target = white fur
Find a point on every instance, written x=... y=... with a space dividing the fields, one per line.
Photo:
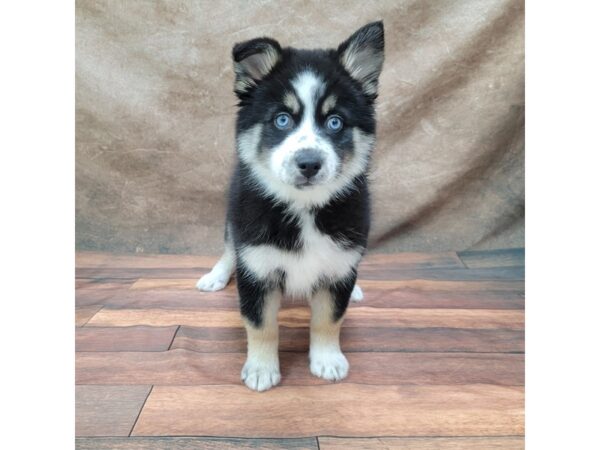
x=320 y=258
x=357 y=294
x=221 y=273
x=328 y=363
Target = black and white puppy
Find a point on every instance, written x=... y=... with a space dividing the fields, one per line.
x=298 y=215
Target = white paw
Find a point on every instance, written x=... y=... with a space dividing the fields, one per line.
x=357 y=294
x=213 y=281
x=330 y=365
x=260 y=377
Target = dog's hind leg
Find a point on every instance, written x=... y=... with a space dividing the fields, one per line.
x=221 y=273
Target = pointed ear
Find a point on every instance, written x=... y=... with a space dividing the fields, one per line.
x=362 y=56
x=252 y=61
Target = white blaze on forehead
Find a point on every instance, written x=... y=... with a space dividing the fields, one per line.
x=309 y=89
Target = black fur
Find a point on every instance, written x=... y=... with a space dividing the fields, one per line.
x=252 y=295
x=347 y=219
x=257 y=219
x=340 y=293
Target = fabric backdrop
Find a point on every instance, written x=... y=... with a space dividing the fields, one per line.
x=155 y=118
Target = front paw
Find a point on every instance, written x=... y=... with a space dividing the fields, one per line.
x=213 y=281
x=260 y=376
x=331 y=365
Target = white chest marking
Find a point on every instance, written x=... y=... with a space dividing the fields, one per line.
x=319 y=259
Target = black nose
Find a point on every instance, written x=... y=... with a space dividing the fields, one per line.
x=309 y=162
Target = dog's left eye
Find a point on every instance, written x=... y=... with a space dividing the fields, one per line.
x=334 y=123
x=283 y=121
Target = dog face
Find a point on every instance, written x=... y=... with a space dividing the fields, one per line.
x=306 y=122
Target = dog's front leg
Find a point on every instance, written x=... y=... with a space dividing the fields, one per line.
x=328 y=307
x=259 y=307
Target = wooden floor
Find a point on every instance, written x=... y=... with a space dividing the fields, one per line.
x=436 y=355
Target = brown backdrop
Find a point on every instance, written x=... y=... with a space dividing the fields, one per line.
x=155 y=118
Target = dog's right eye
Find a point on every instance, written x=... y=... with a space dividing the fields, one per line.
x=283 y=121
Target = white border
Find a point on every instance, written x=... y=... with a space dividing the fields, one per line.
x=562 y=225
x=37 y=225
x=37 y=198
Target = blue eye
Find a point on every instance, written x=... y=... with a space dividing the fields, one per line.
x=283 y=121
x=334 y=123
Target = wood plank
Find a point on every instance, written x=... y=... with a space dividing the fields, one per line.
x=391 y=272
x=97 y=265
x=428 y=443
x=175 y=298
x=414 y=260
x=135 y=272
x=181 y=293
x=366 y=271
x=335 y=409
x=443 y=294
x=90 y=259
x=184 y=367
x=357 y=316
x=477 y=287
x=84 y=313
x=362 y=339
x=193 y=443
x=82 y=283
x=99 y=292
x=161 y=261
x=374 y=297
x=509 y=257
x=103 y=283
x=170 y=284
x=142 y=338
x=395 y=266
x=107 y=410
x=405 y=299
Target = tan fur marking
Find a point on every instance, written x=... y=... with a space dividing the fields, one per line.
x=329 y=104
x=363 y=64
x=291 y=101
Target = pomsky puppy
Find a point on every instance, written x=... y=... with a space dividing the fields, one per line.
x=298 y=213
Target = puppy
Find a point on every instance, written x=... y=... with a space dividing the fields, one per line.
x=298 y=214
